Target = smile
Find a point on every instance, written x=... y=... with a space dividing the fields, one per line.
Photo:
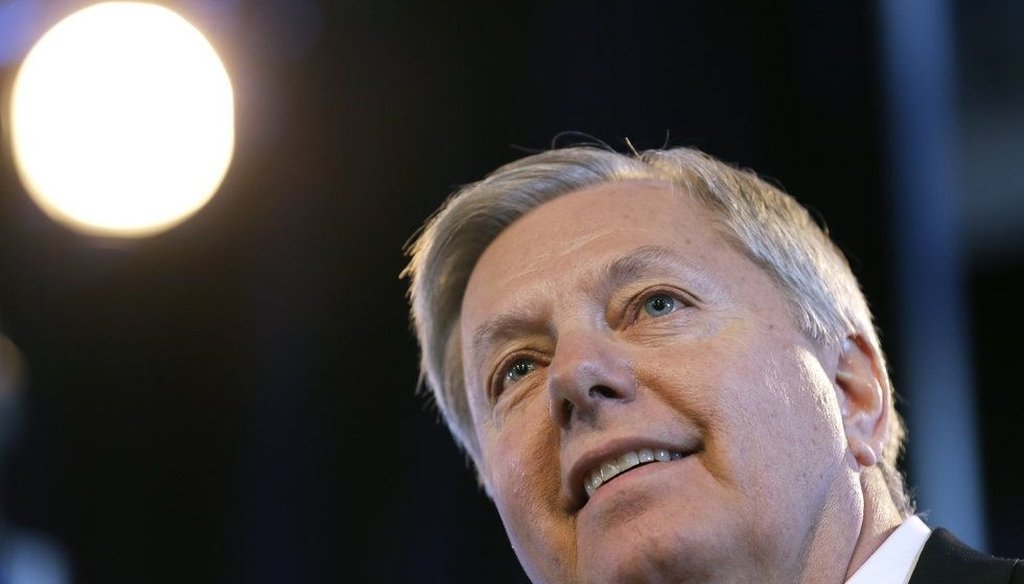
x=612 y=468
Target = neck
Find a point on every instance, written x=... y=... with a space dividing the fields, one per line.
x=880 y=519
x=854 y=524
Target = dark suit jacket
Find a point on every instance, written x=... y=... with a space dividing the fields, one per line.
x=946 y=560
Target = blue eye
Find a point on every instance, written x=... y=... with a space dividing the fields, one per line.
x=659 y=305
x=519 y=369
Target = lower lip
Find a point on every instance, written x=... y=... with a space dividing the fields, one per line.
x=633 y=478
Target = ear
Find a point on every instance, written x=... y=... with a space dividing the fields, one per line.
x=862 y=389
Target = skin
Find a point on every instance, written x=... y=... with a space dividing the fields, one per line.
x=688 y=346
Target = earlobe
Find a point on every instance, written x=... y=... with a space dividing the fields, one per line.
x=863 y=453
x=862 y=389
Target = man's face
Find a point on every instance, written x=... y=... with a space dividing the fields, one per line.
x=646 y=407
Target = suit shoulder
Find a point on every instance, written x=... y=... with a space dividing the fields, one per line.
x=947 y=560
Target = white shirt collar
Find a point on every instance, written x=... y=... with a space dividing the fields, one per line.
x=895 y=559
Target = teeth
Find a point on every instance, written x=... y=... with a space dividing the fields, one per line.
x=629 y=460
x=609 y=470
x=612 y=468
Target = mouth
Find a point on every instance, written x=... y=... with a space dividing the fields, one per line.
x=611 y=468
x=590 y=474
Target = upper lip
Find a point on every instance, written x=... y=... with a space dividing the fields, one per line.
x=589 y=461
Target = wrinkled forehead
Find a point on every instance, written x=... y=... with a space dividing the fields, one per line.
x=584 y=228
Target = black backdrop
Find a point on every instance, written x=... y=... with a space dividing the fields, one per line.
x=233 y=400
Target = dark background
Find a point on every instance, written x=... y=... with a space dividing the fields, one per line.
x=234 y=400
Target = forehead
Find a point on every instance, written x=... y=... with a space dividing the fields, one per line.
x=585 y=229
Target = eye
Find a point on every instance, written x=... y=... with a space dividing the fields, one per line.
x=660 y=304
x=517 y=370
x=510 y=373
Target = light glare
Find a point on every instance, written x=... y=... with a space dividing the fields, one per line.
x=122 y=120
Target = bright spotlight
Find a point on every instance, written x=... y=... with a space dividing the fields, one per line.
x=122 y=120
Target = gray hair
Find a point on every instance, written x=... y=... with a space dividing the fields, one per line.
x=760 y=220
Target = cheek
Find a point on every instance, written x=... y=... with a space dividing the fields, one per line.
x=524 y=465
x=524 y=479
x=787 y=435
x=711 y=384
x=806 y=400
x=763 y=404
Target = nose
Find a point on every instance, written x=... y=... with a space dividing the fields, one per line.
x=588 y=372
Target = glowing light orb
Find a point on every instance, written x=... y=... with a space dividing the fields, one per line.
x=122 y=120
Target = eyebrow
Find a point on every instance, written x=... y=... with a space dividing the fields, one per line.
x=639 y=263
x=502 y=328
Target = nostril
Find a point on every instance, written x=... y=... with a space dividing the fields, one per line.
x=602 y=391
x=567 y=409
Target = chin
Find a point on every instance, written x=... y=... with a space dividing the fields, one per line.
x=670 y=548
